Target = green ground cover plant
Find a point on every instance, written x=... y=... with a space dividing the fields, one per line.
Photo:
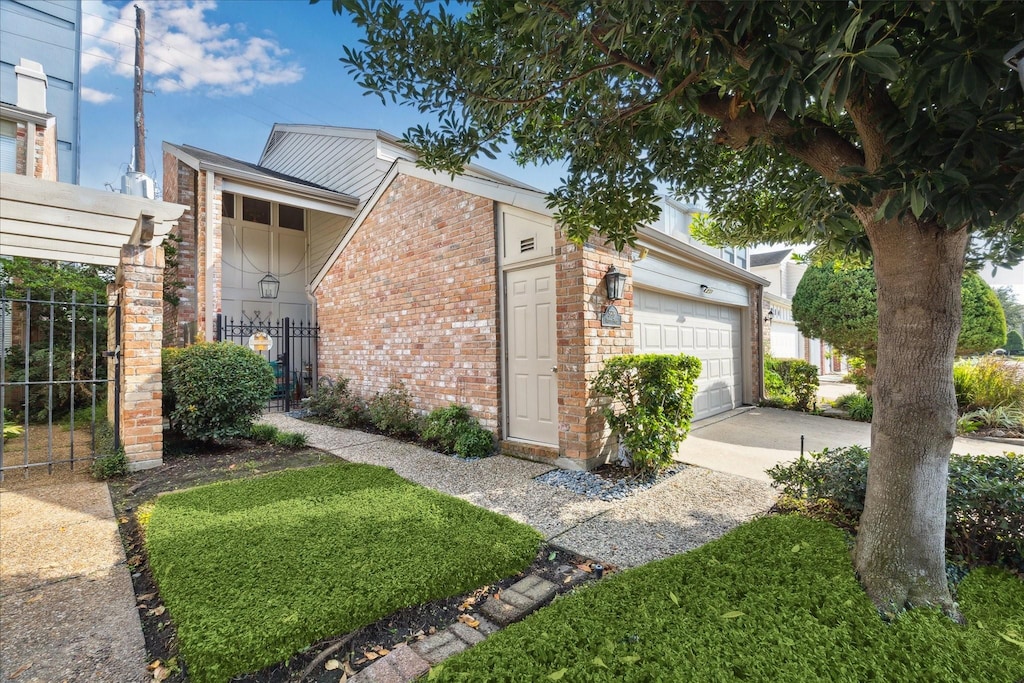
x=988 y=383
x=253 y=571
x=774 y=600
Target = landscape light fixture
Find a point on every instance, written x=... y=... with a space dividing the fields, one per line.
x=269 y=287
x=615 y=282
x=1015 y=60
x=705 y=290
x=770 y=315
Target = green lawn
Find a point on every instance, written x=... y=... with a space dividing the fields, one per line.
x=774 y=600
x=253 y=571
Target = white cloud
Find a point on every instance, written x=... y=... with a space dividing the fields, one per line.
x=185 y=51
x=96 y=96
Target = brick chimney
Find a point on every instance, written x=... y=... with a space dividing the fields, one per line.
x=31 y=86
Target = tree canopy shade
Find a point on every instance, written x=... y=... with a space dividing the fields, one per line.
x=888 y=126
x=837 y=303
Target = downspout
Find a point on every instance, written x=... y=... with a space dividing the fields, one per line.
x=759 y=375
x=191 y=336
x=211 y=299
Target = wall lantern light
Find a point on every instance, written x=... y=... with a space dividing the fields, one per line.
x=1015 y=60
x=615 y=282
x=705 y=290
x=269 y=287
x=770 y=315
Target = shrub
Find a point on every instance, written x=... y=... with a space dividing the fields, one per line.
x=651 y=404
x=1000 y=418
x=219 y=388
x=441 y=428
x=263 y=433
x=336 y=404
x=291 y=440
x=168 y=360
x=109 y=466
x=860 y=407
x=1014 y=343
x=774 y=387
x=799 y=380
x=988 y=383
x=474 y=441
x=858 y=375
x=391 y=411
x=984 y=501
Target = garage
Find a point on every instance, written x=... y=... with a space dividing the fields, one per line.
x=666 y=323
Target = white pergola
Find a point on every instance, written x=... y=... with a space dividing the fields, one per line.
x=47 y=220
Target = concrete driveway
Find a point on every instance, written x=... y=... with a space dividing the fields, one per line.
x=747 y=441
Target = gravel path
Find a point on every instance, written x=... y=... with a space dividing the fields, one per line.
x=682 y=512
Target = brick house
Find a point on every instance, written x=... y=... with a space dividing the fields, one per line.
x=465 y=289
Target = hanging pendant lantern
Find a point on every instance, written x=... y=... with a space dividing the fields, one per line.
x=269 y=287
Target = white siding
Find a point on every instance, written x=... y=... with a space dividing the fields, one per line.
x=347 y=165
x=657 y=272
x=325 y=232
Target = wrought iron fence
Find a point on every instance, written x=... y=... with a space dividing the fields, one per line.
x=54 y=384
x=289 y=346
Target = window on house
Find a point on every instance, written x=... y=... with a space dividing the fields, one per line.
x=227 y=204
x=8 y=146
x=291 y=217
x=256 y=210
x=729 y=254
x=741 y=258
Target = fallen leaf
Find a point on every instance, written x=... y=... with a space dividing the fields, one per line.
x=232 y=466
x=674 y=598
x=557 y=675
x=585 y=568
x=122 y=520
x=370 y=655
x=154 y=664
x=599 y=662
x=20 y=671
x=361 y=660
x=332 y=664
x=469 y=621
x=349 y=671
x=433 y=630
x=147 y=596
x=732 y=615
x=157 y=611
x=629 y=659
x=161 y=673
x=1008 y=637
x=37 y=596
x=383 y=651
x=567 y=579
x=552 y=556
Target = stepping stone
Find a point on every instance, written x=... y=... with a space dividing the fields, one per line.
x=439 y=647
x=401 y=665
x=519 y=600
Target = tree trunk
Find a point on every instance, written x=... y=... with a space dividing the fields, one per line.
x=900 y=551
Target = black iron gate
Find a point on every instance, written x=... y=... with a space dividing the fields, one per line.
x=54 y=383
x=291 y=352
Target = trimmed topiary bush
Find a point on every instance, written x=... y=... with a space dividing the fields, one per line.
x=651 y=404
x=984 y=502
x=799 y=380
x=391 y=411
x=219 y=389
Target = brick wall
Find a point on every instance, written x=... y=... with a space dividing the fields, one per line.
x=179 y=187
x=38 y=155
x=414 y=298
x=760 y=343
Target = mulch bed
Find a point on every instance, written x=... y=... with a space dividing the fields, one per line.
x=193 y=465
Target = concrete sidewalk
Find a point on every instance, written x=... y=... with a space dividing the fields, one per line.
x=747 y=441
x=67 y=607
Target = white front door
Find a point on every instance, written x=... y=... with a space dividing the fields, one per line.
x=532 y=357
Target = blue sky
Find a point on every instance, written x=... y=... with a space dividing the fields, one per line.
x=222 y=73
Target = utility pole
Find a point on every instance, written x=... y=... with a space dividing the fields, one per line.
x=140 y=117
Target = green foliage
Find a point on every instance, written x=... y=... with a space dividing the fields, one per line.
x=1001 y=417
x=799 y=381
x=988 y=383
x=858 y=375
x=219 y=389
x=336 y=404
x=858 y=406
x=474 y=441
x=1013 y=309
x=254 y=571
x=168 y=358
x=391 y=411
x=984 y=502
x=774 y=387
x=453 y=430
x=737 y=103
x=10 y=429
x=837 y=303
x=293 y=440
x=263 y=433
x=984 y=325
x=651 y=404
x=773 y=600
x=1014 y=343
x=109 y=466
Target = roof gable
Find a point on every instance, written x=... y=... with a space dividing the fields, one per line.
x=769 y=258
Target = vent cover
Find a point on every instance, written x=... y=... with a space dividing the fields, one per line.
x=528 y=244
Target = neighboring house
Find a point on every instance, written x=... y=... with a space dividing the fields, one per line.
x=785 y=341
x=462 y=288
x=39 y=36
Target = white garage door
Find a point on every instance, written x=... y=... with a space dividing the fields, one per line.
x=786 y=341
x=671 y=324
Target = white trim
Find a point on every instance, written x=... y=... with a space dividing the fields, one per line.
x=659 y=242
x=210 y=260
x=284 y=197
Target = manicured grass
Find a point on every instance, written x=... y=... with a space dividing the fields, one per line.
x=253 y=571
x=774 y=600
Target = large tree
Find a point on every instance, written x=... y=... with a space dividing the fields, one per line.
x=1012 y=308
x=888 y=126
x=837 y=303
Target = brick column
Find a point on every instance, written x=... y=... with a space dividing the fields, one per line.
x=140 y=286
x=583 y=344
